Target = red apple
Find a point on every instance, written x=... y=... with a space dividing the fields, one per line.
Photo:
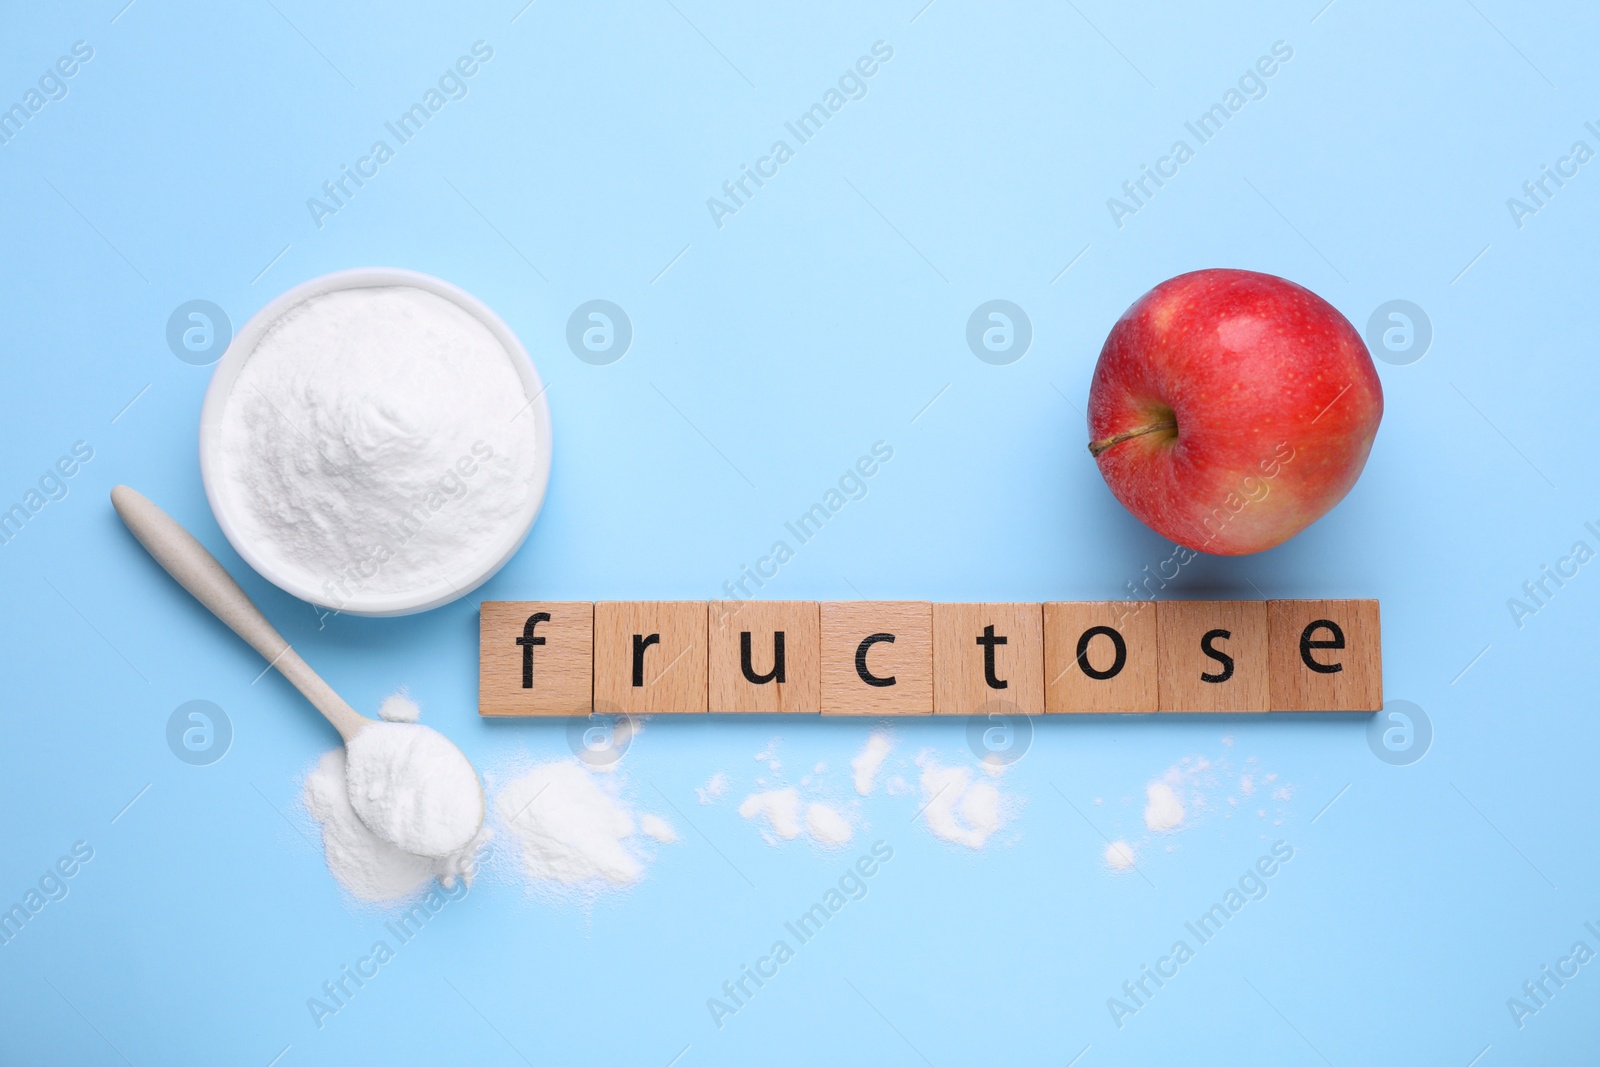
x=1230 y=410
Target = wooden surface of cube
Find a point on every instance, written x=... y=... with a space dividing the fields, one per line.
x=765 y=655
x=1212 y=655
x=915 y=658
x=535 y=658
x=877 y=657
x=1325 y=655
x=988 y=654
x=1100 y=657
x=650 y=656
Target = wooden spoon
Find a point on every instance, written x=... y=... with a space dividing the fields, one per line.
x=198 y=571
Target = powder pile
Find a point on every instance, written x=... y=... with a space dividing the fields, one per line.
x=826 y=826
x=371 y=868
x=397 y=707
x=780 y=807
x=867 y=762
x=713 y=790
x=657 y=827
x=1119 y=856
x=413 y=787
x=571 y=831
x=1163 y=811
x=781 y=810
x=956 y=808
x=375 y=443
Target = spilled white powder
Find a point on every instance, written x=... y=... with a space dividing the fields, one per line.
x=369 y=867
x=398 y=707
x=373 y=444
x=780 y=807
x=657 y=827
x=413 y=787
x=867 y=762
x=713 y=790
x=1119 y=856
x=570 y=831
x=826 y=826
x=956 y=808
x=1187 y=791
x=1163 y=811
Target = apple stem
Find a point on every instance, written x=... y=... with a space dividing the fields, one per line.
x=1097 y=447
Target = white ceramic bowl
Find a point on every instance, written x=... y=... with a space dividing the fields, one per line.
x=451 y=587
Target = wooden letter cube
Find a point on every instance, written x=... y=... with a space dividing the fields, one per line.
x=535 y=658
x=1325 y=655
x=1213 y=655
x=765 y=656
x=1100 y=656
x=988 y=653
x=650 y=656
x=877 y=657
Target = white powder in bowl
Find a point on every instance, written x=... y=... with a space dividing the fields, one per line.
x=377 y=442
x=414 y=788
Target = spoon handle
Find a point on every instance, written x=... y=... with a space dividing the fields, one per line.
x=198 y=571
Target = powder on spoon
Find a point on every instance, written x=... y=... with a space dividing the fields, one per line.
x=414 y=788
x=371 y=868
x=376 y=442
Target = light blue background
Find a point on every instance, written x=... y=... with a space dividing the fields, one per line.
x=823 y=317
